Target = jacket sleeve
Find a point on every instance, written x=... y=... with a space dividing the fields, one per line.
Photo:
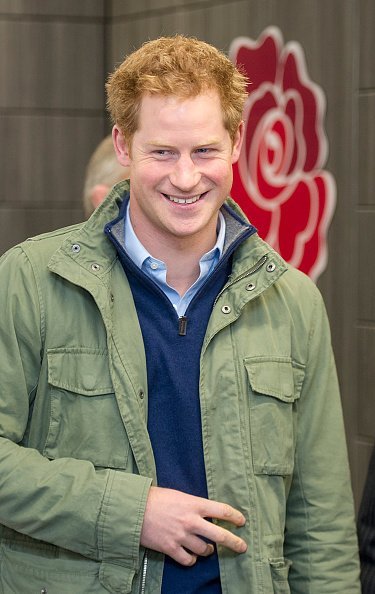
x=320 y=537
x=67 y=502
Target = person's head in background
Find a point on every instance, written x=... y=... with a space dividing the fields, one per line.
x=102 y=172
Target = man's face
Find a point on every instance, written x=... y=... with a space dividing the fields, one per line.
x=180 y=163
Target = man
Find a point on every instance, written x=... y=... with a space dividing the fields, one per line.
x=169 y=410
x=366 y=531
x=102 y=172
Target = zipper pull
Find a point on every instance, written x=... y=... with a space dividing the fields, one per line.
x=182 y=325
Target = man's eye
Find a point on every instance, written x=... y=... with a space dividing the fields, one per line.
x=162 y=152
x=205 y=151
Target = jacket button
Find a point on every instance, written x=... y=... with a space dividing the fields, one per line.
x=271 y=267
x=95 y=267
x=76 y=248
x=250 y=287
x=43 y=591
x=226 y=309
x=141 y=394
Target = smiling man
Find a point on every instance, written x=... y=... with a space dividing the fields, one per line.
x=169 y=410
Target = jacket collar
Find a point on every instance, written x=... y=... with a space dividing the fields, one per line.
x=87 y=246
x=253 y=251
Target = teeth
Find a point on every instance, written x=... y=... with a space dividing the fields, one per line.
x=183 y=200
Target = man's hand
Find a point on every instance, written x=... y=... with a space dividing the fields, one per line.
x=175 y=524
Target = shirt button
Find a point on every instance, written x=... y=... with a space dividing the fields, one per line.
x=154 y=265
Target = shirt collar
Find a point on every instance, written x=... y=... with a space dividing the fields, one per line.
x=138 y=253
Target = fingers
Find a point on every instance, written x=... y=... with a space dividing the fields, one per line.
x=192 y=548
x=230 y=514
x=222 y=537
x=226 y=539
x=198 y=546
x=183 y=557
x=217 y=534
x=222 y=511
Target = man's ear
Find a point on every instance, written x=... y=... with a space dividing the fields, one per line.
x=121 y=147
x=237 y=142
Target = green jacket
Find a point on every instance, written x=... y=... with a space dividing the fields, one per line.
x=76 y=461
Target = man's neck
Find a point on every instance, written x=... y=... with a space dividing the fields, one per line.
x=182 y=271
x=181 y=255
x=182 y=262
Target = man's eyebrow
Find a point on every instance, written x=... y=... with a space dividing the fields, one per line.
x=210 y=141
x=158 y=144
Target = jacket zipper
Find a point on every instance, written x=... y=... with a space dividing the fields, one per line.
x=252 y=270
x=144 y=573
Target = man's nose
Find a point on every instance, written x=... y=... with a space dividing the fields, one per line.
x=185 y=174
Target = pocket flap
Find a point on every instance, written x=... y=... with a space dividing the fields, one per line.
x=81 y=370
x=274 y=377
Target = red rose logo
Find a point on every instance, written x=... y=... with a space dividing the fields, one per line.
x=279 y=181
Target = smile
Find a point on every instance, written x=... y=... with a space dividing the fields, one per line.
x=190 y=200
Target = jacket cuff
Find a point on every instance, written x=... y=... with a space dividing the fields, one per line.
x=121 y=518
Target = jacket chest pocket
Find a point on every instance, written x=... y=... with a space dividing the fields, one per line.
x=274 y=388
x=85 y=422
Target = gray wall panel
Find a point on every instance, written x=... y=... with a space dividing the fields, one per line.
x=366 y=416
x=52 y=110
x=366 y=152
x=366 y=286
x=16 y=223
x=119 y=8
x=53 y=151
x=234 y=19
x=331 y=62
x=81 y=8
x=361 y=462
x=365 y=229
x=367 y=44
x=59 y=65
x=127 y=36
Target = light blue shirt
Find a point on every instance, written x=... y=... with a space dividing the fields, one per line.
x=157 y=270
